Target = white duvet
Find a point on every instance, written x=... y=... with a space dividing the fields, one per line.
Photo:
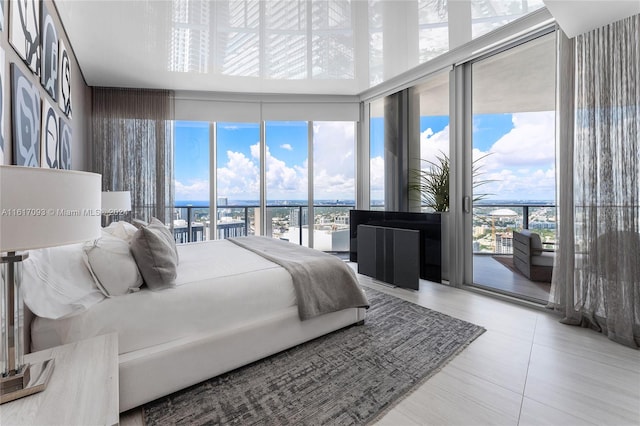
x=219 y=286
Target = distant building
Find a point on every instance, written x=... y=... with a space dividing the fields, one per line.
x=504 y=243
x=295 y=219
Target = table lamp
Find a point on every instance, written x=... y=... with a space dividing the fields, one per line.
x=38 y=208
x=115 y=203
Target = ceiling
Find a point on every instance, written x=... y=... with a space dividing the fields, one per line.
x=211 y=45
x=293 y=46
x=576 y=18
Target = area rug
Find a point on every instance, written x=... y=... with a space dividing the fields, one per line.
x=507 y=261
x=349 y=377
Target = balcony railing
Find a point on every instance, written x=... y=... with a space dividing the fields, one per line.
x=192 y=223
x=492 y=223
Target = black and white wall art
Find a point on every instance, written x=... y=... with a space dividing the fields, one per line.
x=2 y=104
x=64 y=97
x=65 y=145
x=50 y=152
x=1 y=15
x=49 y=70
x=24 y=31
x=25 y=112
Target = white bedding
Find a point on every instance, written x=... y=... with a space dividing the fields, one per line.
x=219 y=286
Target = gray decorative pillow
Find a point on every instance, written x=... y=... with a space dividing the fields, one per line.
x=156 y=254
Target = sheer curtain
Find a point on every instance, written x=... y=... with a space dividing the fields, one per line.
x=133 y=147
x=596 y=282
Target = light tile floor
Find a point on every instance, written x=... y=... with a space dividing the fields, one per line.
x=526 y=369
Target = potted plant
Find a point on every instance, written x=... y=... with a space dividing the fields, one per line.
x=432 y=185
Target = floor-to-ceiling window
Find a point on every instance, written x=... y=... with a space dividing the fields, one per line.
x=191 y=167
x=513 y=161
x=376 y=155
x=264 y=184
x=287 y=180
x=334 y=186
x=237 y=179
x=433 y=176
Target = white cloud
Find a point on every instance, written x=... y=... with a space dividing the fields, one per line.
x=511 y=185
x=229 y=126
x=197 y=189
x=433 y=145
x=286 y=146
x=334 y=168
x=284 y=181
x=239 y=178
x=376 y=177
x=521 y=162
x=530 y=143
x=334 y=161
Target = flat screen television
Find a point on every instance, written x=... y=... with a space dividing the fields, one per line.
x=429 y=225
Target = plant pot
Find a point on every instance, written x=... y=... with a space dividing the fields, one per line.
x=444 y=236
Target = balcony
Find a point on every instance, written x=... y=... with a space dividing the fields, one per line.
x=493 y=225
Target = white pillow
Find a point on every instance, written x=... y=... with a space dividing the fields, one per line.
x=122 y=230
x=112 y=265
x=57 y=284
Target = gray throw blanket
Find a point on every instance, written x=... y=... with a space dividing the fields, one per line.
x=322 y=282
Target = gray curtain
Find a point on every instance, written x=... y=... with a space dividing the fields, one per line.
x=133 y=147
x=596 y=281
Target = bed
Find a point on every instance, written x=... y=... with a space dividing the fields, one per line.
x=230 y=306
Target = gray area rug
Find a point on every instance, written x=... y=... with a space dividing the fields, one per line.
x=348 y=377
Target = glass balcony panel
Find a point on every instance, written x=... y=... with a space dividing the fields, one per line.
x=331 y=227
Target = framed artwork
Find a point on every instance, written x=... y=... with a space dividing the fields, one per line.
x=50 y=153
x=24 y=31
x=2 y=103
x=25 y=112
x=65 y=145
x=64 y=97
x=49 y=69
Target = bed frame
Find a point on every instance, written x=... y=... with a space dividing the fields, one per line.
x=151 y=373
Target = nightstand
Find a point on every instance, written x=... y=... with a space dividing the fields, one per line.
x=82 y=390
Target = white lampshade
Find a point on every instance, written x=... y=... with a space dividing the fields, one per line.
x=47 y=207
x=116 y=202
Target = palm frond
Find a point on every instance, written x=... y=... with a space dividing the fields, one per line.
x=432 y=183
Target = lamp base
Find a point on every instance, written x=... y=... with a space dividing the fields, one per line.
x=15 y=381
x=33 y=379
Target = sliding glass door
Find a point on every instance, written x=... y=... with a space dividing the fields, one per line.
x=512 y=164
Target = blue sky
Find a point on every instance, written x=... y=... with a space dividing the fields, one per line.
x=519 y=150
x=191 y=158
x=489 y=128
x=521 y=160
x=288 y=141
x=238 y=161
